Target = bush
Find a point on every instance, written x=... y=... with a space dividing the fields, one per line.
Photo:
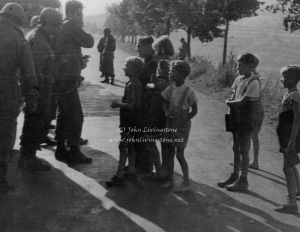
x=227 y=73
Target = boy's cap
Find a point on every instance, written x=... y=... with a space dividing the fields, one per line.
x=248 y=59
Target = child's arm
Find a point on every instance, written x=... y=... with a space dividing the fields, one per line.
x=239 y=102
x=194 y=111
x=295 y=127
x=117 y=104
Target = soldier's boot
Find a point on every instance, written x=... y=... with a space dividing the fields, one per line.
x=78 y=157
x=28 y=161
x=4 y=186
x=62 y=154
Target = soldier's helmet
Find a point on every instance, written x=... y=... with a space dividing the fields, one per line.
x=35 y=20
x=50 y=17
x=14 y=11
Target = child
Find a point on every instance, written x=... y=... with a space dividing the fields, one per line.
x=180 y=107
x=130 y=108
x=287 y=130
x=246 y=108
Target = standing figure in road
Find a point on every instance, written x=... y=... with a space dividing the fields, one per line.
x=183 y=49
x=146 y=150
x=15 y=55
x=129 y=118
x=34 y=21
x=36 y=125
x=180 y=107
x=246 y=108
x=69 y=64
x=288 y=134
x=107 y=47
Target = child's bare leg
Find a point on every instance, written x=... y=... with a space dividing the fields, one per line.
x=296 y=174
x=122 y=159
x=245 y=143
x=131 y=158
x=184 y=166
x=164 y=157
x=171 y=156
x=237 y=155
x=255 y=142
x=291 y=182
x=156 y=160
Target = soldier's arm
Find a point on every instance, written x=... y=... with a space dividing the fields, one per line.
x=85 y=40
x=28 y=78
x=113 y=44
x=100 y=46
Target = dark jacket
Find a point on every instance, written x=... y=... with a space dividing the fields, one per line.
x=15 y=60
x=68 y=50
x=43 y=55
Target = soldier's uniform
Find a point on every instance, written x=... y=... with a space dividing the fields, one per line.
x=69 y=65
x=36 y=125
x=14 y=55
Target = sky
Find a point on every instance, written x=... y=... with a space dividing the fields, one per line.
x=94 y=7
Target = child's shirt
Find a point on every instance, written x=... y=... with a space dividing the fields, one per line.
x=132 y=95
x=247 y=87
x=180 y=99
x=289 y=99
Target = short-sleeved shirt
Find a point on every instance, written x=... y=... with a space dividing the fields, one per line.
x=289 y=99
x=173 y=95
x=247 y=87
x=132 y=95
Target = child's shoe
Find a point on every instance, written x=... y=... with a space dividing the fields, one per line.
x=254 y=166
x=289 y=208
x=233 y=178
x=115 y=181
x=240 y=186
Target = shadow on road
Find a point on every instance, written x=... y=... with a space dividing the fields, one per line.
x=203 y=209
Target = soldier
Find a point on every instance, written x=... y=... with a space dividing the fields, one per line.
x=107 y=47
x=36 y=125
x=69 y=64
x=14 y=55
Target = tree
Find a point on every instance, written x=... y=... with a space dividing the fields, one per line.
x=196 y=21
x=232 y=10
x=291 y=9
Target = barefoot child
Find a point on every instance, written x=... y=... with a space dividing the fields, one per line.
x=287 y=130
x=130 y=108
x=246 y=108
x=180 y=107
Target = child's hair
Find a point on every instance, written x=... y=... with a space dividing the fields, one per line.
x=135 y=63
x=72 y=6
x=146 y=40
x=163 y=46
x=162 y=71
x=292 y=71
x=181 y=66
x=248 y=59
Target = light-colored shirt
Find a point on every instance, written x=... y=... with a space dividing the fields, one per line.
x=173 y=95
x=246 y=87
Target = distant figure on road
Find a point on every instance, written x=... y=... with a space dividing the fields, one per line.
x=183 y=49
x=107 y=47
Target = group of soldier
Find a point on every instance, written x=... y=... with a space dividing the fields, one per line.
x=45 y=65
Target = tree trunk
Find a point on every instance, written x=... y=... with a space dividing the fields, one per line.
x=123 y=38
x=189 y=35
x=225 y=41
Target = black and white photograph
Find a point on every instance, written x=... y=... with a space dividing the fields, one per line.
x=149 y=115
